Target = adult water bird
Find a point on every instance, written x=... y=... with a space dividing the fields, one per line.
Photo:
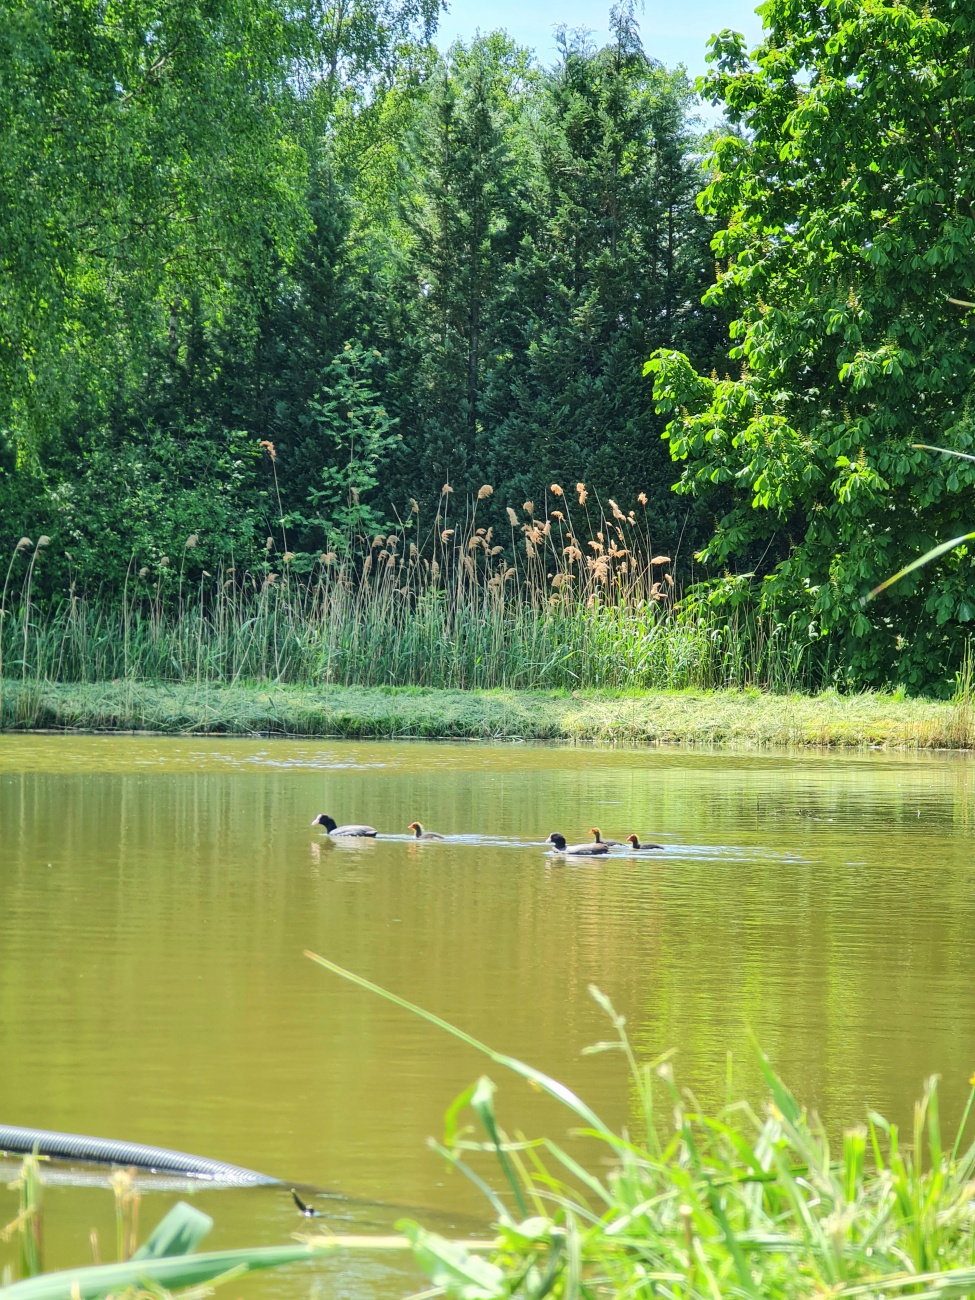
x=351 y=831
x=597 y=834
x=558 y=843
x=641 y=848
x=420 y=834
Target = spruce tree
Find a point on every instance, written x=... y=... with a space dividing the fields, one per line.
x=616 y=256
x=458 y=201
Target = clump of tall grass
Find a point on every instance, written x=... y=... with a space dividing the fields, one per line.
x=164 y=1263
x=697 y=1206
x=565 y=596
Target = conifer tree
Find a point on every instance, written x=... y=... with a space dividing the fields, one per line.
x=615 y=256
x=457 y=202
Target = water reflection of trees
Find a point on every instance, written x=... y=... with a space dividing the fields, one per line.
x=818 y=909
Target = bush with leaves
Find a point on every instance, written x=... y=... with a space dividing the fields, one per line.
x=136 y=503
x=845 y=193
x=345 y=436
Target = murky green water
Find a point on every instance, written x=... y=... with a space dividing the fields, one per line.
x=156 y=897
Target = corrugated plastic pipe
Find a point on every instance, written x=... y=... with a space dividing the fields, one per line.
x=126 y=1155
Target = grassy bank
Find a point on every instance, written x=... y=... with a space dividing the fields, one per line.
x=690 y=717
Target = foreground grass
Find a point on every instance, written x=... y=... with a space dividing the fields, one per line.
x=687 y=1205
x=742 y=1202
x=690 y=717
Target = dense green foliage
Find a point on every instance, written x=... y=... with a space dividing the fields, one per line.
x=274 y=281
x=845 y=198
x=230 y=224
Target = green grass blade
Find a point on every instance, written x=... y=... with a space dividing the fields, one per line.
x=947 y=1282
x=169 y=1272
x=452 y=1114
x=552 y=1086
x=449 y=1265
x=29 y=1186
x=731 y=1241
x=178 y=1233
x=934 y=1122
x=945 y=451
x=454 y=1160
x=783 y=1098
x=964 y=1122
x=482 y=1103
x=585 y=1178
x=926 y=558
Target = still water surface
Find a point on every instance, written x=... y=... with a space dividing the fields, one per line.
x=156 y=896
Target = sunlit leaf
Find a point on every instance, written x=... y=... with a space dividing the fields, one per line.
x=449 y=1265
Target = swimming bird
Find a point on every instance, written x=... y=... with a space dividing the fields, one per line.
x=352 y=830
x=597 y=833
x=308 y=1211
x=420 y=834
x=641 y=848
x=558 y=843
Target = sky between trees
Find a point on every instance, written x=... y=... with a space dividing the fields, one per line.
x=673 y=33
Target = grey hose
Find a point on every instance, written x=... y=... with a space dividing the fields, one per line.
x=72 y=1146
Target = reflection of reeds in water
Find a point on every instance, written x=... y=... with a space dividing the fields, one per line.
x=563 y=597
x=127 y=1201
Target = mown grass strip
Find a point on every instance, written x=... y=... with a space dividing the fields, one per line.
x=750 y=718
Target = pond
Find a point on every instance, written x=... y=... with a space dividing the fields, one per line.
x=156 y=896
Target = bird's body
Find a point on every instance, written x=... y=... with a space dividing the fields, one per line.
x=420 y=834
x=641 y=848
x=558 y=843
x=352 y=831
x=597 y=835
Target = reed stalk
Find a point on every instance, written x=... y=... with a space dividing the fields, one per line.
x=548 y=605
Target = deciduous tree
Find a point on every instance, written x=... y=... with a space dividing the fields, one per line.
x=845 y=197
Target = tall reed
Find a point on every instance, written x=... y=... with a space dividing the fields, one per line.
x=566 y=596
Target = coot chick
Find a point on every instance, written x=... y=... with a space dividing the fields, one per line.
x=641 y=848
x=420 y=834
x=598 y=836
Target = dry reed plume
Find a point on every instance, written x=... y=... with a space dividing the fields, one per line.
x=569 y=594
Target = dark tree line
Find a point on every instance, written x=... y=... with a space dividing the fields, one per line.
x=227 y=225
